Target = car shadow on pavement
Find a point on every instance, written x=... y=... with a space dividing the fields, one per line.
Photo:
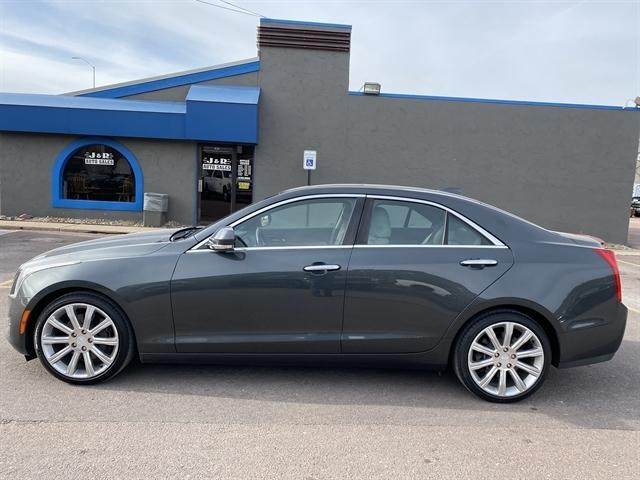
x=604 y=395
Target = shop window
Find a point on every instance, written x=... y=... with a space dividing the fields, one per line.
x=97 y=175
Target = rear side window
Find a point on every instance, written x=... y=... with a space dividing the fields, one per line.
x=397 y=222
x=460 y=233
x=394 y=222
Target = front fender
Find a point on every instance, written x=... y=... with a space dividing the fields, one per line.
x=139 y=286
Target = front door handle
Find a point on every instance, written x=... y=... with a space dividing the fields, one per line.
x=321 y=267
x=478 y=263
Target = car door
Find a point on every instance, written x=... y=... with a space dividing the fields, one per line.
x=414 y=268
x=281 y=290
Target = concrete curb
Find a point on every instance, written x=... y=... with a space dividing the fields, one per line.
x=70 y=227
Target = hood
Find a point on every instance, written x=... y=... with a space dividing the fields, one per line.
x=117 y=246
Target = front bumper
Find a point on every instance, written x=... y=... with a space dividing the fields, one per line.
x=594 y=344
x=17 y=305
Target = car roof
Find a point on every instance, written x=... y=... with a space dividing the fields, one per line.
x=368 y=188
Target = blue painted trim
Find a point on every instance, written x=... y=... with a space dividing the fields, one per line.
x=57 y=200
x=177 y=81
x=228 y=120
x=489 y=100
x=210 y=113
x=309 y=24
x=234 y=94
x=91 y=103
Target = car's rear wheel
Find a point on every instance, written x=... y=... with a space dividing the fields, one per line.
x=83 y=338
x=502 y=357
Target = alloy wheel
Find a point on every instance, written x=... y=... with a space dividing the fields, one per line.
x=506 y=359
x=79 y=341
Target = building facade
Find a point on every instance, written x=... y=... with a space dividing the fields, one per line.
x=218 y=138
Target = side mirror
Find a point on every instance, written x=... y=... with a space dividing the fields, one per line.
x=223 y=240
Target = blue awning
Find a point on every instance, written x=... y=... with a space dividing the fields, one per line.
x=210 y=113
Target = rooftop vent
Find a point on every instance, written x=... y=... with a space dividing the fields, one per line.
x=308 y=36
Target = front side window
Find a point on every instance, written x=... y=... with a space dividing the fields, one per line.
x=98 y=172
x=314 y=222
x=396 y=222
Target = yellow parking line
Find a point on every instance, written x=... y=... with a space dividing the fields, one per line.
x=6 y=284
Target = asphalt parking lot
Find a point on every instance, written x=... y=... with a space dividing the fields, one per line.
x=155 y=421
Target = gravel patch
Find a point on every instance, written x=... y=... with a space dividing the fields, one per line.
x=85 y=221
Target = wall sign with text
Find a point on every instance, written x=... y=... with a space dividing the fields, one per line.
x=217 y=163
x=98 y=158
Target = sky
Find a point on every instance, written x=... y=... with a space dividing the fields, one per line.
x=551 y=51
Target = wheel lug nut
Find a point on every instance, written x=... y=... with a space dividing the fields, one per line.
x=513 y=355
x=90 y=340
x=73 y=334
x=74 y=345
x=505 y=349
x=508 y=365
x=84 y=331
x=499 y=364
x=84 y=349
x=497 y=354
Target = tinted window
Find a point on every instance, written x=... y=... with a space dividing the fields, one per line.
x=314 y=222
x=405 y=223
x=459 y=233
x=98 y=172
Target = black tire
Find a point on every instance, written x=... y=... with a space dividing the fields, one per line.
x=474 y=328
x=126 y=342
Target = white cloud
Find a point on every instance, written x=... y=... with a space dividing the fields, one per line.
x=570 y=51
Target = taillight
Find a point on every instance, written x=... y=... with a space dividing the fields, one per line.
x=610 y=257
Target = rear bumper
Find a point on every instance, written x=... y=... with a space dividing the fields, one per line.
x=593 y=344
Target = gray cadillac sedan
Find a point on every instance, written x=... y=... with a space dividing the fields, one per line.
x=339 y=274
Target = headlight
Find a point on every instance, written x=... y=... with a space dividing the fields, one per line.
x=16 y=280
x=25 y=270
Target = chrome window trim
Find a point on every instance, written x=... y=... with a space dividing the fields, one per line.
x=278 y=204
x=301 y=247
x=488 y=236
x=496 y=243
x=402 y=245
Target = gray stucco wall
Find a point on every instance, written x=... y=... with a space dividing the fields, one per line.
x=176 y=94
x=27 y=161
x=569 y=169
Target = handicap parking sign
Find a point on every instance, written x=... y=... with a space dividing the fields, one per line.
x=309 y=160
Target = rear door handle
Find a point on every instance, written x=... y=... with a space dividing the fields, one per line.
x=478 y=263
x=321 y=268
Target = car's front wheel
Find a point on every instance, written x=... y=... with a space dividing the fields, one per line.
x=502 y=357
x=83 y=338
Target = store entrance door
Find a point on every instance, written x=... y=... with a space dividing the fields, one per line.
x=226 y=180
